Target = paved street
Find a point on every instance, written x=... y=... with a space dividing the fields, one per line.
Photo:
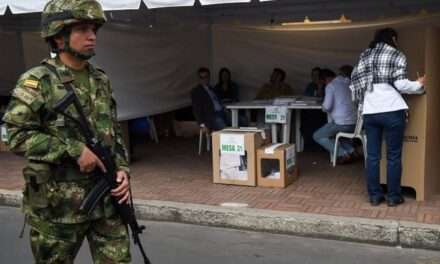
x=170 y=243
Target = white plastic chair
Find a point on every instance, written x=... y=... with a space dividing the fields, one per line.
x=208 y=141
x=358 y=133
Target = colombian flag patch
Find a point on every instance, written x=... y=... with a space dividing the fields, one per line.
x=31 y=84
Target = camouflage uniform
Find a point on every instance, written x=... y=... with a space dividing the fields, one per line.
x=55 y=188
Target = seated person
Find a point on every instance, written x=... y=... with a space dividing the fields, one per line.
x=274 y=88
x=315 y=88
x=209 y=111
x=313 y=119
x=338 y=104
x=226 y=90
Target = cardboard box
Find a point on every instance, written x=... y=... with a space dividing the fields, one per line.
x=276 y=165
x=234 y=155
x=421 y=143
x=4 y=139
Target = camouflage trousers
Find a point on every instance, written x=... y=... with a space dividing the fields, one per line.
x=59 y=243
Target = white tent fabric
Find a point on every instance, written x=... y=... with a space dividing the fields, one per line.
x=168 y=3
x=252 y=53
x=215 y=2
x=3 y=6
x=26 y=6
x=153 y=70
x=109 y=5
x=30 y=6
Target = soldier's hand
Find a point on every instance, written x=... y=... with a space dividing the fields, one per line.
x=87 y=161
x=123 y=190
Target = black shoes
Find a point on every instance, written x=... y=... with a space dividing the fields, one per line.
x=396 y=203
x=376 y=202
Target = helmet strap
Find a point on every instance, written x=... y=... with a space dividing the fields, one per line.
x=81 y=55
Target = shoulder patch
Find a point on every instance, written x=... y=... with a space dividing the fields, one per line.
x=31 y=84
x=18 y=114
x=24 y=96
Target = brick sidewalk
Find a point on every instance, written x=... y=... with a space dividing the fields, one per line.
x=172 y=171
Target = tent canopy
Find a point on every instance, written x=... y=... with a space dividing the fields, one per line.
x=152 y=55
x=30 y=6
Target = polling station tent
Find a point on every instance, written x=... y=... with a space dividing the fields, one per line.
x=151 y=55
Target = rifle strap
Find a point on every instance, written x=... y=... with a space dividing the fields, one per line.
x=53 y=69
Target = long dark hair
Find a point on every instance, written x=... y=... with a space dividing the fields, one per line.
x=222 y=70
x=384 y=35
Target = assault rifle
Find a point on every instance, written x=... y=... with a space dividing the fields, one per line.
x=108 y=180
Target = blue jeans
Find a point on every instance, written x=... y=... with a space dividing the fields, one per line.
x=326 y=135
x=392 y=126
x=223 y=119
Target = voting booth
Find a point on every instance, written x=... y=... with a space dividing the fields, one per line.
x=421 y=145
x=234 y=155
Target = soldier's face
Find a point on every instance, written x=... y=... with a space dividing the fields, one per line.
x=83 y=37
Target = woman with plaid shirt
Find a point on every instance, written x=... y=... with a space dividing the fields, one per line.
x=376 y=83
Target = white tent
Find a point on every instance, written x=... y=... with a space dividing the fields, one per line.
x=29 y=6
x=151 y=55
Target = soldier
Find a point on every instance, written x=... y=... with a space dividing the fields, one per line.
x=61 y=167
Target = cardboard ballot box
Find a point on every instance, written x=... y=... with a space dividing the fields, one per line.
x=4 y=139
x=234 y=155
x=276 y=165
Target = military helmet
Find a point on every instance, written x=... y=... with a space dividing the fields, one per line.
x=59 y=14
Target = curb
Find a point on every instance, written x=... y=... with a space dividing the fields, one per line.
x=385 y=232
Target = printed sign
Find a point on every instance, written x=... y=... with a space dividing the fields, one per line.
x=290 y=157
x=232 y=144
x=276 y=114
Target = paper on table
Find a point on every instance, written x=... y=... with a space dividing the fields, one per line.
x=263 y=101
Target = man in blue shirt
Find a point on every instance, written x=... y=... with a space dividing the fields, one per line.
x=338 y=104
